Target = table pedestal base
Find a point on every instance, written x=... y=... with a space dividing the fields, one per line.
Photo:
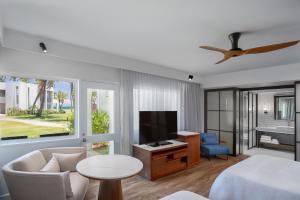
x=110 y=189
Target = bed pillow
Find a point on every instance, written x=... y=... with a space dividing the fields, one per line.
x=51 y=166
x=67 y=162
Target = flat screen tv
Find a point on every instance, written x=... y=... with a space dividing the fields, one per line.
x=156 y=126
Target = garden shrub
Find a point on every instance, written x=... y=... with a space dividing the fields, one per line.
x=100 y=122
x=52 y=111
x=71 y=122
x=62 y=111
x=14 y=111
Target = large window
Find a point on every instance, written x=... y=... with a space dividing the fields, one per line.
x=36 y=108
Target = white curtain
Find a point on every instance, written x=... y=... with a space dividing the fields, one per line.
x=144 y=92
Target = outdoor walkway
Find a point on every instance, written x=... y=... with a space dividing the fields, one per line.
x=32 y=122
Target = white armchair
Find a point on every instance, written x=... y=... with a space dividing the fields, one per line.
x=26 y=182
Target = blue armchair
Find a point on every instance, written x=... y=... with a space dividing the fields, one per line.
x=211 y=147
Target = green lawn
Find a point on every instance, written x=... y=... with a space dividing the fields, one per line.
x=56 y=117
x=10 y=129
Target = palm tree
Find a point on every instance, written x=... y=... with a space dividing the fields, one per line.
x=61 y=97
x=72 y=95
x=43 y=85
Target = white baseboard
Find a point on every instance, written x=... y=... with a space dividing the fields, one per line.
x=5 y=197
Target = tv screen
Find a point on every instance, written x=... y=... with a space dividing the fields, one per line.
x=157 y=126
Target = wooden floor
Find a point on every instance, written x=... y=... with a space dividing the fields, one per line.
x=197 y=179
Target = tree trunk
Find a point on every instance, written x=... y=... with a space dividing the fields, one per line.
x=34 y=103
x=42 y=98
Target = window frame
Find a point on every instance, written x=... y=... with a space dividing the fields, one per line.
x=76 y=135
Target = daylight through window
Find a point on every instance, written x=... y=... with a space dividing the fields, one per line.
x=34 y=108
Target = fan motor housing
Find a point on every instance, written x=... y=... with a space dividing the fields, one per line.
x=234 y=38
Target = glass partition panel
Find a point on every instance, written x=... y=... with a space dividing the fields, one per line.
x=226 y=120
x=297 y=97
x=213 y=120
x=213 y=100
x=214 y=131
x=222 y=116
x=254 y=120
x=226 y=138
x=250 y=136
x=226 y=100
x=245 y=120
x=298 y=127
x=297 y=131
x=237 y=121
x=298 y=152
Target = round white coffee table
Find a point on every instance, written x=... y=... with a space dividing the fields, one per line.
x=109 y=169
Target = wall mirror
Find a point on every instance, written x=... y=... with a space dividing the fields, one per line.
x=284 y=108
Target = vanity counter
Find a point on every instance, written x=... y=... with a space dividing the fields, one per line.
x=277 y=129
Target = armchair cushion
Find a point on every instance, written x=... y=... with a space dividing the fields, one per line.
x=209 y=138
x=214 y=149
x=51 y=166
x=31 y=162
x=67 y=162
x=68 y=186
x=79 y=185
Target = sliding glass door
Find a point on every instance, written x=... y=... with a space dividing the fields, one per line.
x=100 y=112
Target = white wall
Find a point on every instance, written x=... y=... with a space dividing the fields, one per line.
x=1 y=31
x=264 y=76
x=22 y=41
x=32 y=64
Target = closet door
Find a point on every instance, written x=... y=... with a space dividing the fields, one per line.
x=297 y=121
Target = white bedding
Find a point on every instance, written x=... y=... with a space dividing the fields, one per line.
x=259 y=177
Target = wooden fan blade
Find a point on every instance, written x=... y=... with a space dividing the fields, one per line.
x=213 y=49
x=269 y=48
x=224 y=59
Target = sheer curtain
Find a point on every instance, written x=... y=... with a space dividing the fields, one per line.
x=144 y=92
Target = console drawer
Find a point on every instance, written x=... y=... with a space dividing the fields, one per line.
x=163 y=167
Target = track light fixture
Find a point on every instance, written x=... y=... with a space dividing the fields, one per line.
x=191 y=77
x=43 y=47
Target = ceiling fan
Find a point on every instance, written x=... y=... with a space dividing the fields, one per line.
x=236 y=51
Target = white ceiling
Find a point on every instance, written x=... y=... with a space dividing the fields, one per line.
x=165 y=32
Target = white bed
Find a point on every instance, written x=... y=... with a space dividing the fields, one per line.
x=259 y=177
